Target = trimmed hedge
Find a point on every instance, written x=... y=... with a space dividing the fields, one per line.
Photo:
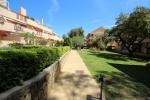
x=18 y=65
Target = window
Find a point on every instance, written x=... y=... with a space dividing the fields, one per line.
x=17 y=27
x=2 y=20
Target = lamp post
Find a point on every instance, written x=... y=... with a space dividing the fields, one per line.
x=101 y=79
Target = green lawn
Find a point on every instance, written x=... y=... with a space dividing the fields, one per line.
x=125 y=79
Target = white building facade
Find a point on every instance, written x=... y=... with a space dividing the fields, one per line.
x=12 y=23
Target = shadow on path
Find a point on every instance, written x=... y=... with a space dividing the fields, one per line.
x=76 y=86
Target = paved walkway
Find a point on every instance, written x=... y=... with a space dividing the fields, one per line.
x=75 y=81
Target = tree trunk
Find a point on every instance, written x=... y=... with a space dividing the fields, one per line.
x=130 y=53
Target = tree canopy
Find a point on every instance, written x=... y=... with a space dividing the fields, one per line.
x=132 y=28
x=74 y=38
x=28 y=37
x=76 y=32
x=67 y=41
x=77 y=41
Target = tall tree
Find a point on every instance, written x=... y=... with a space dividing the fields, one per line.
x=67 y=41
x=121 y=19
x=132 y=29
x=101 y=41
x=77 y=37
x=77 y=41
x=76 y=32
x=28 y=37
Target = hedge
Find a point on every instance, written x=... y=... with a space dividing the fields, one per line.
x=18 y=65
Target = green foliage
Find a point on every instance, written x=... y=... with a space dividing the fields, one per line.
x=5 y=48
x=32 y=46
x=76 y=32
x=18 y=65
x=59 y=43
x=28 y=37
x=77 y=41
x=67 y=41
x=132 y=28
x=148 y=64
x=95 y=42
x=123 y=76
x=16 y=45
x=15 y=66
x=42 y=42
x=75 y=37
x=108 y=38
x=100 y=41
x=122 y=18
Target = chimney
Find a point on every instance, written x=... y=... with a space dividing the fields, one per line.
x=23 y=11
x=4 y=3
x=42 y=21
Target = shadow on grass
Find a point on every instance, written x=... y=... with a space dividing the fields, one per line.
x=110 y=56
x=137 y=72
x=120 y=86
x=132 y=82
x=114 y=56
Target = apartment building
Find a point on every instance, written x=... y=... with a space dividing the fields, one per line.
x=92 y=35
x=13 y=23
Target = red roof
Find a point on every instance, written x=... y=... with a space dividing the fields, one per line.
x=99 y=30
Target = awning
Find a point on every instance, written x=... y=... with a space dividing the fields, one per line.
x=3 y=32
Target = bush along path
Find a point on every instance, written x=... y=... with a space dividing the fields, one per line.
x=18 y=64
x=75 y=81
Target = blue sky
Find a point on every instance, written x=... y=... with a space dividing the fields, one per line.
x=62 y=15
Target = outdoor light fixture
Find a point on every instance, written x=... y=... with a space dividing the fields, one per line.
x=101 y=79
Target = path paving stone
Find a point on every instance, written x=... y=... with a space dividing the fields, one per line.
x=75 y=81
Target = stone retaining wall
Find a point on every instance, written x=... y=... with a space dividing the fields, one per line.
x=39 y=87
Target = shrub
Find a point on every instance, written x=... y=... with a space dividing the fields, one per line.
x=43 y=42
x=16 y=45
x=148 y=64
x=5 y=48
x=109 y=48
x=18 y=65
x=32 y=46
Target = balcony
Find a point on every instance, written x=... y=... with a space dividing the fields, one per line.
x=9 y=14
